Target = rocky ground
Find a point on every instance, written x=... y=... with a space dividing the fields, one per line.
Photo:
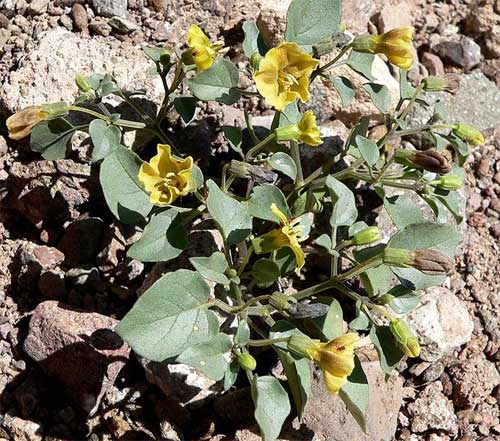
x=64 y=274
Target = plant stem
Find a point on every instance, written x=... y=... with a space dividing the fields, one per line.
x=267 y=341
x=250 y=128
x=251 y=153
x=295 y=151
x=360 y=268
x=90 y=112
x=330 y=64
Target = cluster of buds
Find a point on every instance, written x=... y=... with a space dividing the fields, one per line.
x=427 y=261
x=429 y=160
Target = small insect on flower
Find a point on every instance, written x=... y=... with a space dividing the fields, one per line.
x=22 y=123
x=283 y=75
x=203 y=51
x=396 y=45
x=306 y=131
x=335 y=358
x=289 y=235
x=166 y=178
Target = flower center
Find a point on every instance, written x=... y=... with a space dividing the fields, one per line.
x=286 y=80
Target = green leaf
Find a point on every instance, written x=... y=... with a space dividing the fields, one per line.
x=380 y=96
x=51 y=138
x=388 y=352
x=185 y=106
x=234 y=136
x=212 y=268
x=231 y=216
x=406 y=90
x=403 y=211
x=325 y=242
x=310 y=21
x=265 y=271
x=289 y=115
x=439 y=237
x=331 y=324
x=360 y=129
x=362 y=64
x=378 y=280
x=362 y=321
x=242 y=335
x=231 y=374
x=356 y=227
x=344 y=88
x=163 y=238
x=355 y=394
x=103 y=84
x=157 y=54
x=121 y=187
x=285 y=259
x=405 y=299
x=253 y=41
x=344 y=211
x=106 y=139
x=451 y=200
x=170 y=316
x=285 y=164
x=297 y=369
x=217 y=83
x=368 y=149
x=209 y=356
x=272 y=406
x=259 y=204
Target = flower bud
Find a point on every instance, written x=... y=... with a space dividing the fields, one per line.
x=447 y=83
x=427 y=261
x=366 y=236
x=55 y=110
x=83 y=83
x=301 y=345
x=432 y=262
x=281 y=301
x=306 y=131
x=430 y=160
x=246 y=361
x=405 y=338
x=244 y=170
x=384 y=299
x=231 y=272
x=469 y=134
x=448 y=182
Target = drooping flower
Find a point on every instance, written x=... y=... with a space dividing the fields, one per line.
x=335 y=358
x=22 y=123
x=283 y=75
x=203 y=50
x=396 y=45
x=469 y=134
x=306 y=131
x=289 y=235
x=166 y=178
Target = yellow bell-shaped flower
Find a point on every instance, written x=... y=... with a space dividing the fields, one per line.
x=289 y=235
x=335 y=358
x=283 y=75
x=306 y=131
x=203 y=50
x=396 y=45
x=166 y=178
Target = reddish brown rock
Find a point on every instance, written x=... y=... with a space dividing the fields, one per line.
x=77 y=348
x=433 y=63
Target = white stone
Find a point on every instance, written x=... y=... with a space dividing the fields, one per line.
x=442 y=323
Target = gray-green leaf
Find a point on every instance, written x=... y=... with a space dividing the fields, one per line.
x=163 y=238
x=170 y=316
x=344 y=88
x=121 y=187
x=185 y=105
x=209 y=356
x=285 y=164
x=253 y=42
x=106 y=139
x=231 y=216
x=259 y=204
x=380 y=96
x=212 y=268
x=344 y=211
x=51 y=138
x=368 y=149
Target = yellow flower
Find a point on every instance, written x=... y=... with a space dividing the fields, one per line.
x=335 y=358
x=166 y=178
x=289 y=235
x=21 y=123
x=469 y=134
x=283 y=75
x=396 y=45
x=202 y=49
x=306 y=131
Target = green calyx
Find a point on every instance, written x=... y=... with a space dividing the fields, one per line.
x=366 y=236
x=405 y=338
x=246 y=361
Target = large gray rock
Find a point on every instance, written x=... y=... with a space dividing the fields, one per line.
x=477 y=102
x=77 y=348
x=326 y=415
x=442 y=323
x=109 y=8
x=47 y=74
